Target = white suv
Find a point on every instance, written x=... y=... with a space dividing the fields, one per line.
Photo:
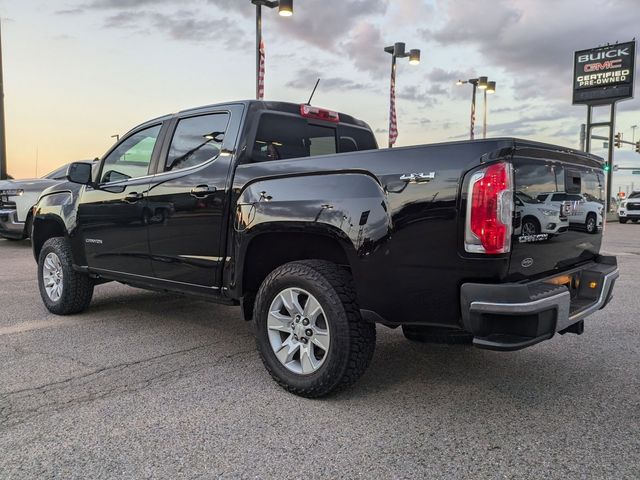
x=581 y=209
x=538 y=217
x=629 y=209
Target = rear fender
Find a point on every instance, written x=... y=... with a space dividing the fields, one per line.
x=350 y=208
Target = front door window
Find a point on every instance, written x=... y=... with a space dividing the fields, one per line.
x=131 y=159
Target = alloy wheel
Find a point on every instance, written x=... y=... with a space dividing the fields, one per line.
x=298 y=331
x=52 y=276
x=528 y=228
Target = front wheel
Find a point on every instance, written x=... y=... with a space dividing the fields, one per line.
x=63 y=290
x=591 y=224
x=309 y=331
x=623 y=220
x=530 y=226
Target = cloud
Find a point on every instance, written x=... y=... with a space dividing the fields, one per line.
x=440 y=75
x=306 y=78
x=365 y=49
x=123 y=4
x=419 y=96
x=532 y=40
x=327 y=24
x=182 y=26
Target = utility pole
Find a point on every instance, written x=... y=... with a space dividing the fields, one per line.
x=3 y=145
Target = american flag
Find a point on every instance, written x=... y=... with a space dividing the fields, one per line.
x=393 y=120
x=473 y=119
x=261 y=73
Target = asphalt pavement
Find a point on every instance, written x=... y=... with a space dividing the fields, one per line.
x=151 y=385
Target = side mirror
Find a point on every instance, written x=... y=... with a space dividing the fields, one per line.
x=80 y=172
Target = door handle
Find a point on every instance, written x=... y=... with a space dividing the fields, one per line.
x=202 y=191
x=133 y=197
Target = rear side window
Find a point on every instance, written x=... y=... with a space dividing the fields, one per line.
x=196 y=140
x=281 y=137
x=353 y=139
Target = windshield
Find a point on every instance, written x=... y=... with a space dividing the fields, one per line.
x=635 y=195
x=523 y=197
x=58 y=174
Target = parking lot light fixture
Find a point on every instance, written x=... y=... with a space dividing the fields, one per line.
x=484 y=84
x=285 y=9
x=491 y=88
x=397 y=50
x=414 y=57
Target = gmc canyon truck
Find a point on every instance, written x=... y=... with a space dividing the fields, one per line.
x=291 y=212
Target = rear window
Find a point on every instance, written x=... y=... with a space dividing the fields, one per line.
x=282 y=137
x=548 y=182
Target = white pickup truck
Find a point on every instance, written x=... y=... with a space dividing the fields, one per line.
x=16 y=199
x=629 y=209
x=582 y=211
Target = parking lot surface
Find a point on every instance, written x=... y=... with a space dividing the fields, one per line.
x=151 y=385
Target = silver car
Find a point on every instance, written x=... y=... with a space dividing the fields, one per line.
x=16 y=199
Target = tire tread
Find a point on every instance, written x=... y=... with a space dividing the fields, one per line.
x=77 y=289
x=362 y=335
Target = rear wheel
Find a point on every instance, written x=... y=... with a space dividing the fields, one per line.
x=530 y=226
x=309 y=331
x=635 y=220
x=419 y=333
x=63 y=290
x=591 y=224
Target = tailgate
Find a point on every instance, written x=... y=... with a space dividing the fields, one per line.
x=558 y=192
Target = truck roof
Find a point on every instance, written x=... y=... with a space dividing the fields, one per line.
x=257 y=105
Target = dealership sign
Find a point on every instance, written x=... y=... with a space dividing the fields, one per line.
x=604 y=75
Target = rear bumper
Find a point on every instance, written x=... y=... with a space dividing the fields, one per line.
x=9 y=224
x=517 y=315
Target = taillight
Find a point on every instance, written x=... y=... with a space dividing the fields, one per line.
x=319 y=113
x=490 y=210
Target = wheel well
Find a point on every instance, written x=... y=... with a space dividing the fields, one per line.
x=43 y=230
x=268 y=251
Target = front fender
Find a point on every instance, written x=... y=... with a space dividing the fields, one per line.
x=55 y=214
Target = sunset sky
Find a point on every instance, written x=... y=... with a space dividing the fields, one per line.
x=79 y=71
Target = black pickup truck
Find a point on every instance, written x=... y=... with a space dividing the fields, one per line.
x=291 y=212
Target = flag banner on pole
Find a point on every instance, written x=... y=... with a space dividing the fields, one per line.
x=473 y=119
x=393 y=120
x=261 y=73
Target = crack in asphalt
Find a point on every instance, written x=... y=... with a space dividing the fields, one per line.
x=19 y=406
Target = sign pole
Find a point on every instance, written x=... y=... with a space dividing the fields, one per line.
x=612 y=121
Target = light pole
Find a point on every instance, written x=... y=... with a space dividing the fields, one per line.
x=398 y=50
x=285 y=9
x=491 y=88
x=482 y=83
x=3 y=147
